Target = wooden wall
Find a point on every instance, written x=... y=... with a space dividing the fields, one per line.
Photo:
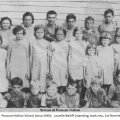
x=81 y=8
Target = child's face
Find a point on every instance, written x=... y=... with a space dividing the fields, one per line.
x=19 y=35
x=5 y=24
x=109 y=18
x=71 y=90
x=35 y=90
x=78 y=35
x=51 y=91
x=105 y=42
x=71 y=23
x=89 y=24
x=60 y=35
x=27 y=21
x=95 y=87
x=39 y=33
x=51 y=18
x=91 y=51
x=17 y=88
x=118 y=40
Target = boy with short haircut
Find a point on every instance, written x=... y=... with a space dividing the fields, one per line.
x=16 y=97
x=108 y=25
x=28 y=21
x=50 y=26
x=95 y=96
x=70 y=99
x=70 y=26
x=51 y=99
x=33 y=99
x=90 y=33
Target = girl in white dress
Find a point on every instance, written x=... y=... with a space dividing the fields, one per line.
x=59 y=49
x=92 y=65
x=18 y=57
x=77 y=53
x=39 y=65
x=106 y=57
x=3 y=80
x=5 y=31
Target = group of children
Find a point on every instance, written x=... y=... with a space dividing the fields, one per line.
x=59 y=66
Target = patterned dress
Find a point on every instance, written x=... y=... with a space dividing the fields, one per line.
x=92 y=68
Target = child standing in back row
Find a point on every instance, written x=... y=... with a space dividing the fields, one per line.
x=108 y=25
x=90 y=33
x=5 y=31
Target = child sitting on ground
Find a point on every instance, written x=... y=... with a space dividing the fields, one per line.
x=51 y=99
x=95 y=96
x=70 y=99
x=16 y=97
x=33 y=99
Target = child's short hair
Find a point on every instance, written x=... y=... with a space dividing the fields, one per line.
x=76 y=29
x=61 y=29
x=17 y=29
x=109 y=11
x=105 y=35
x=35 y=83
x=16 y=81
x=51 y=12
x=52 y=83
x=28 y=14
x=70 y=16
x=5 y=18
x=73 y=83
x=89 y=18
x=96 y=80
x=89 y=46
x=38 y=27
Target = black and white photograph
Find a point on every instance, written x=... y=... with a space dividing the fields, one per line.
x=59 y=54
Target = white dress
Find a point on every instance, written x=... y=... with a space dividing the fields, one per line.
x=106 y=57
x=18 y=63
x=3 y=80
x=76 y=58
x=39 y=61
x=59 y=62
